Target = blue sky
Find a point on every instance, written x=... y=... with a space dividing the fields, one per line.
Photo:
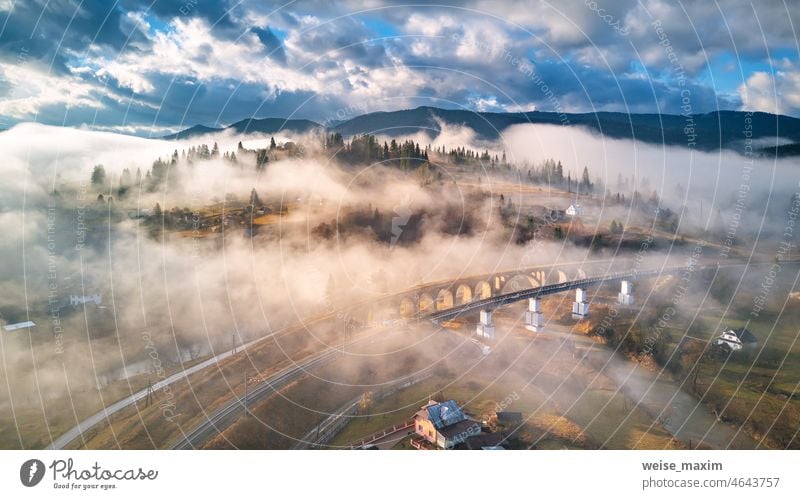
x=145 y=69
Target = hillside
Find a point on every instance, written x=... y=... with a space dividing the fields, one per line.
x=710 y=131
x=250 y=125
x=722 y=129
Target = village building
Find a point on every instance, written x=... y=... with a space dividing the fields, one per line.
x=444 y=424
x=75 y=300
x=735 y=339
x=575 y=210
x=20 y=325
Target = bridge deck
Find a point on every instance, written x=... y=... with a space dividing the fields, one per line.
x=508 y=298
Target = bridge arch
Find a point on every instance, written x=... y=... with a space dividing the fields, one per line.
x=426 y=303
x=518 y=283
x=580 y=274
x=444 y=299
x=561 y=276
x=463 y=294
x=407 y=307
x=483 y=290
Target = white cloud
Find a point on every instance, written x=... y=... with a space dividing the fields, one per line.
x=485 y=103
x=32 y=88
x=426 y=25
x=126 y=77
x=777 y=93
x=191 y=49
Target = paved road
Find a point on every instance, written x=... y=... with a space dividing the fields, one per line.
x=226 y=415
x=230 y=412
x=328 y=427
x=223 y=417
x=493 y=302
x=104 y=414
x=107 y=412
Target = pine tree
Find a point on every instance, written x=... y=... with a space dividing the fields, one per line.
x=254 y=200
x=585 y=182
x=98 y=175
x=559 y=173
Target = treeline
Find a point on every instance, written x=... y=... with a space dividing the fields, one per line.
x=165 y=171
x=368 y=149
x=551 y=172
x=462 y=155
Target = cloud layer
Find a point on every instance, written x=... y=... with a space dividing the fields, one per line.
x=139 y=68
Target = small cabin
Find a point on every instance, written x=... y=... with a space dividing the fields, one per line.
x=575 y=210
x=735 y=339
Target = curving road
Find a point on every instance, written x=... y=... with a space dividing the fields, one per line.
x=283 y=377
x=234 y=409
x=103 y=415
x=99 y=417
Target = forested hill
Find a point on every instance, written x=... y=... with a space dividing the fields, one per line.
x=708 y=132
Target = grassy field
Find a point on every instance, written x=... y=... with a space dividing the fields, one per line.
x=145 y=427
x=282 y=418
x=755 y=388
x=564 y=405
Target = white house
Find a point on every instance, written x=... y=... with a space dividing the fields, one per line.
x=575 y=210
x=444 y=424
x=730 y=339
x=81 y=299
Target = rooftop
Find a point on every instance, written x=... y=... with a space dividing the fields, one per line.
x=445 y=414
x=19 y=325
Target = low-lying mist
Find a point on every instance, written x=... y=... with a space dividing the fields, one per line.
x=192 y=290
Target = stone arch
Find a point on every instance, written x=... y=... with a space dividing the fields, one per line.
x=444 y=299
x=407 y=307
x=518 y=283
x=463 y=294
x=483 y=290
x=426 y=303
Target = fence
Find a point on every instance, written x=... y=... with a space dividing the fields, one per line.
x=333 y=424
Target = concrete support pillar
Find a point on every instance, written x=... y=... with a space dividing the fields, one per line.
x=533 y=316
x=625 y=296
x=485 y=327
x=580 y=308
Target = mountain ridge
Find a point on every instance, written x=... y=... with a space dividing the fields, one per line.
x=705 y=131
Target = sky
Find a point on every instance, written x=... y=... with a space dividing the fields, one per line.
x=152 y=67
